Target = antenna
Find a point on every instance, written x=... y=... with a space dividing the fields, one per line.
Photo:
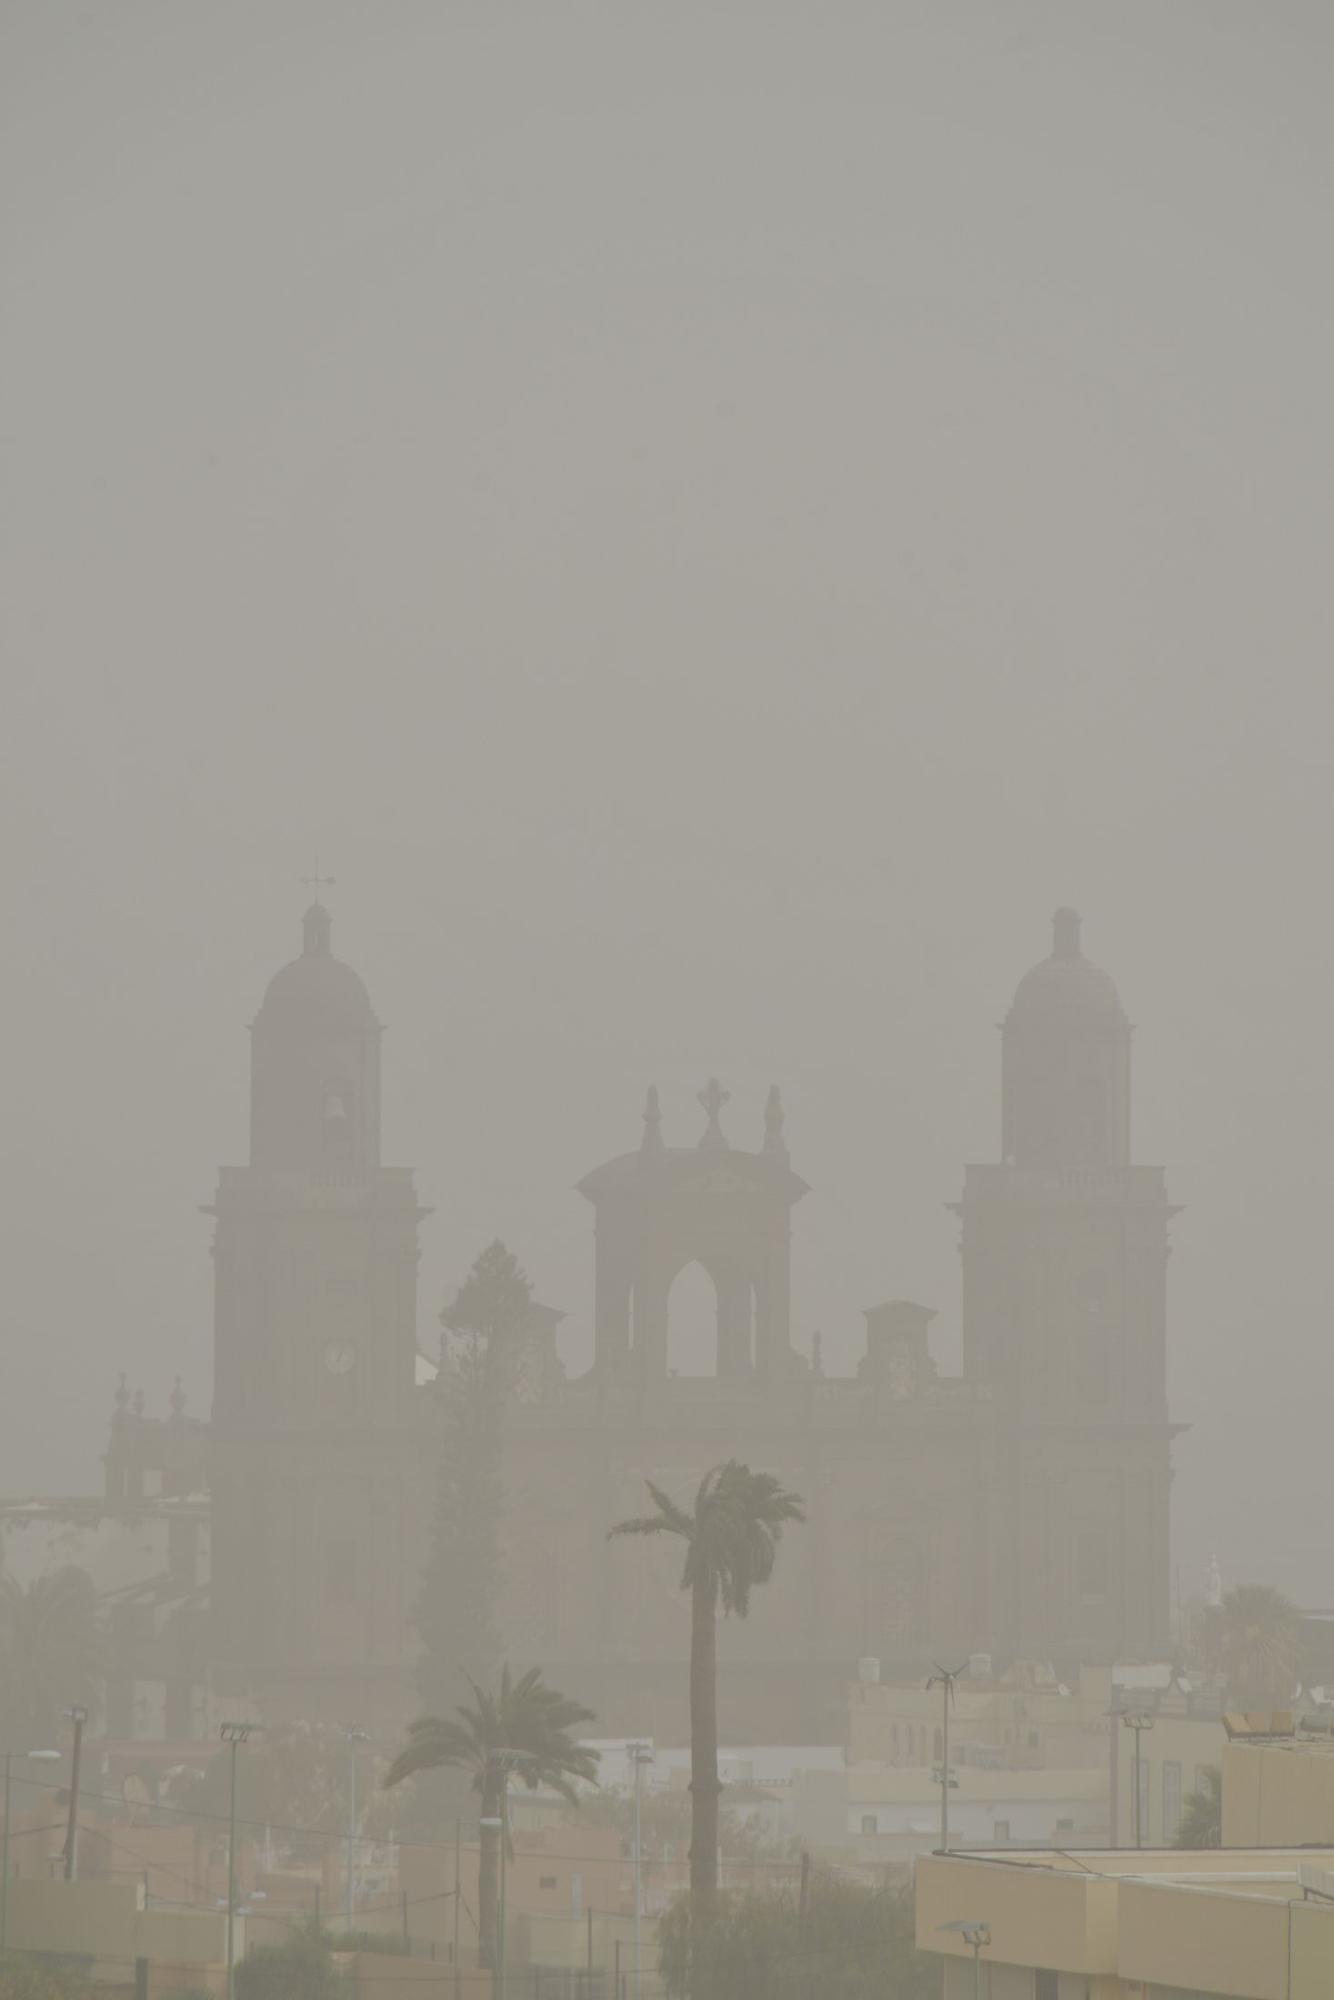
x=944 y=1678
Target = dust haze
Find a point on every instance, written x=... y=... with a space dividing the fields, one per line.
x=709 y=524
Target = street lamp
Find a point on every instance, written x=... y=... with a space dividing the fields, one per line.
x=498 y=1824
x=352 y=1737
x=233 y=1734
x=78 y=1715
x=977 y=1935
x=1139 y=1723
x=639 y=1754
x=37 y=1757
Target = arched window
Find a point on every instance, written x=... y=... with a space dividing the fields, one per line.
x=692 y=1323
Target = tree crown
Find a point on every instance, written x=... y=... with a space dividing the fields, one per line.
x=731 y=1534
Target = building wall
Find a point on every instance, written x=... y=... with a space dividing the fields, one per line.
x=1175 y=1754
x=1279 y=1794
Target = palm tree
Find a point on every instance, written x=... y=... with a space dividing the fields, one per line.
x=521 y=1731
x=1256 y=1643
x=51 y=1651
x=731 y=1540
x=1202 y=1819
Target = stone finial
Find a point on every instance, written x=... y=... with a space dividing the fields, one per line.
x=138 y=1404
x=712 y=1098
x=817 y=1353
x=651 y=1145
x=122 y=1399
x=774 y=1146
x=177 y=1399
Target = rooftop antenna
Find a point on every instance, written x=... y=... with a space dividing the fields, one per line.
x=944 y=1678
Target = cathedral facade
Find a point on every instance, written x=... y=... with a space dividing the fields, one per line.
x=1019 y=1509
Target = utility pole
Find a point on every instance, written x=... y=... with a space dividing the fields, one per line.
x=78 y=1716
x=640 y=1754
x=504 y=1860
x=37 y=1757
x=944 y=1678
x=501 y=1824
x=1139 y=1723
x=458 y=1895
x=233 y=1735
x=351 y=1736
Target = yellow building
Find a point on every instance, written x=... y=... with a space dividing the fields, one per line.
x=1240 y=1924
x=1279 y=1790
x=1085 y=1735
x=1175 y=1751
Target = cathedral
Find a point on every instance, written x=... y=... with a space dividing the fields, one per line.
x=1018 y=1509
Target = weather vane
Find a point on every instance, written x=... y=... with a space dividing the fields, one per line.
x=318 y=881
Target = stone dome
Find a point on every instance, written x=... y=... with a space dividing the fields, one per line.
x=1066 y=984
x=317 y=989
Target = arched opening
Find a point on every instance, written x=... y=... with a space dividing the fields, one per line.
x=692 y=1323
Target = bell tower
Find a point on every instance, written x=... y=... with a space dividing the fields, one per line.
x=315 y=1280
x=1065 y=1249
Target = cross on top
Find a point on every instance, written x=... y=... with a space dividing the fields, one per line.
x=712 y=1098
x=318 y=881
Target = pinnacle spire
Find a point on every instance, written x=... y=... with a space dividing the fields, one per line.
x=775 y=1147
x=651 y=1145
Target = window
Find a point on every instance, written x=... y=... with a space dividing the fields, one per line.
x=1001 y=1833
x=869 y=1823
x=546 y=1881
x=1034 y=1740
x=1171 y=1801
x=1064 y=1826
x=340 y=1571
x=1044 y=1984
x=1142 y=1800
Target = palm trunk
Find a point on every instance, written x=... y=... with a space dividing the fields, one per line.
x=704 y=1786
x=488 y=1876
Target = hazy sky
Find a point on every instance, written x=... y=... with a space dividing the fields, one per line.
x=712 y=520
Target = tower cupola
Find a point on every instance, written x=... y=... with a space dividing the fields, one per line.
x=1065 y=1062
x=315 y=1063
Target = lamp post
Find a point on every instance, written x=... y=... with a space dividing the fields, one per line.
x=500 y=1825
x=640 y=1754
x=1139 y=1723
x=233 y=1735
x=37 y=1757
x=352 y=1737
x=944 y=1678
x=78 y=1715
x=976 y=1935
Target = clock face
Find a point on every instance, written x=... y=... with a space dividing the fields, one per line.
x=339 y=1356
